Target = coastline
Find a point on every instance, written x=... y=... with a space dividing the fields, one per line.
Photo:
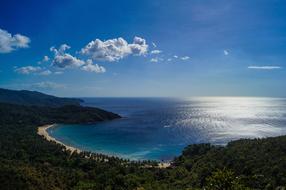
x=42 y=131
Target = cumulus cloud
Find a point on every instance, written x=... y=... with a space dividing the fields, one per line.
x=156 y=51
x=225 y=52
x=65 y=60
x=139 y=46
x=114 y=49
x=27 y=70
x=264 y=67
x=90 y=67
x=185 y=58
x=93 y=68
x=175 y=56
x=9 y=42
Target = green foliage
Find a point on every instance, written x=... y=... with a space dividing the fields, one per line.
x=224 y=180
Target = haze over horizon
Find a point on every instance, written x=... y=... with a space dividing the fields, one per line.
x=144 y=49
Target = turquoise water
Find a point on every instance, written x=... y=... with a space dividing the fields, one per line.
x=159 y=128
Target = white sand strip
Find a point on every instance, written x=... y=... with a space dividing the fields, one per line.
x=42 y=131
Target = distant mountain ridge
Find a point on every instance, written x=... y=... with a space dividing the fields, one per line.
x=34 y=98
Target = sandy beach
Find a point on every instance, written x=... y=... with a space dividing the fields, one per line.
x=42 y=131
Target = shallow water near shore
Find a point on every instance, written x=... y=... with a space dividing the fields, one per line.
x=160 y=128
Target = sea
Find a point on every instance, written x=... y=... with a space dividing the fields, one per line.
x=160 y=128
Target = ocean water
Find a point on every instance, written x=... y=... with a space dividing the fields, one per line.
x=160 y=128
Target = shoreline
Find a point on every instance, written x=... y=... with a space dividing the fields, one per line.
x=42 y=131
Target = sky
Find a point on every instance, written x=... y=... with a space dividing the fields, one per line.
x=149 y=48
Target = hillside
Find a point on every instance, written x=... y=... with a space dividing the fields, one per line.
x=25 y=97
x=44 y=115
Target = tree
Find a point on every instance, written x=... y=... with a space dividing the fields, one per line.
x=224 y=180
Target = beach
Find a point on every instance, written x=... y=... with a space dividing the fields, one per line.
x=42 y=131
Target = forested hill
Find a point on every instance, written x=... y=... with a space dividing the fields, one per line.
x=11 y=113
x=25 y=97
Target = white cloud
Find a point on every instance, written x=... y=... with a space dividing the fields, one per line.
x=9 y=42
x=156 y=51
x=114 y=49
x=139 y=46
x=27 y=70
x=156 y=59
x=65 y=60
x=264 y=67
x=61 y=50
x=58 y=72
x=90 y=67
x=185 y=58
x=47 y=85
x=154 y=45
x=225 y=52
x=46 y=72
x=33 y=70
x=45 y=59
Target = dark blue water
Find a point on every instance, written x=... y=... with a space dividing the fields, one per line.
x=159 y=128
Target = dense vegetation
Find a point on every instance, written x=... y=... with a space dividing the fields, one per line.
x=27 y=161
x=25 y=97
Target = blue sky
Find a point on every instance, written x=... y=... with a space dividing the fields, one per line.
x=144 y=48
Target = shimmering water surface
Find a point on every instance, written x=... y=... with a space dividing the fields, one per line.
x=159 y=128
